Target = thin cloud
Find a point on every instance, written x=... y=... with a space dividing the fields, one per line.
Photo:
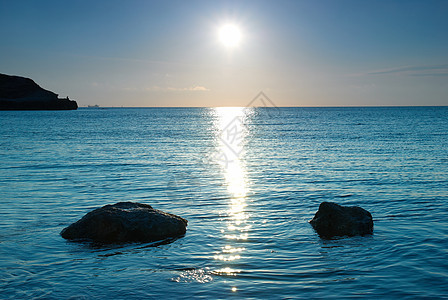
x=418 y=71
x=196 y=88
x=155 y=88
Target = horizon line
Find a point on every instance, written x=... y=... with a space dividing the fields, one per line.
x=330 y=106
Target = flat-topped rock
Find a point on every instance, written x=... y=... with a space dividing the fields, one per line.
x=336 y=220
x=126 y=222
x=20 y=93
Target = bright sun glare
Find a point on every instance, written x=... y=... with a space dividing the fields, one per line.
x=230 y=35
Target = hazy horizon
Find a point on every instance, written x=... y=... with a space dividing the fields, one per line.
x=340 y=106
x=172 y=54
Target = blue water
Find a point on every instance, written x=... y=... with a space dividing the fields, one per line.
x=247 y=180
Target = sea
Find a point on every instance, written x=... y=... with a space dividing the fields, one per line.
x=248 y=180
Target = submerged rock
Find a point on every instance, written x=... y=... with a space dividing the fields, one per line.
x=126 y=222
x=336 y=220
x=20 y=93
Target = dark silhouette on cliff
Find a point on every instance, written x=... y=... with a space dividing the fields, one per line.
x=20 y=93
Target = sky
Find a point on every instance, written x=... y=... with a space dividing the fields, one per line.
x=168 y=53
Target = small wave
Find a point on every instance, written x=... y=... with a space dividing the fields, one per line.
x=344 y=195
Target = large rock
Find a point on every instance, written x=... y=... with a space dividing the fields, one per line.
x=336 y=220
x=20 y=93
x=126 y=222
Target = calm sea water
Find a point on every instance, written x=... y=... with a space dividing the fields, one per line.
x=247 y=180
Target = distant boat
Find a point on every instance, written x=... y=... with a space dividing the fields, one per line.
x=93 y=106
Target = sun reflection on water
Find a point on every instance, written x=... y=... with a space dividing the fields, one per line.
x=231 y=134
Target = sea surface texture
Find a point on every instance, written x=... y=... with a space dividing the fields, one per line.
x=248 y=180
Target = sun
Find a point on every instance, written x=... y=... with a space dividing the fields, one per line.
x=230 y=35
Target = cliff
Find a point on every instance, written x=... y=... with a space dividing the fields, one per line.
x=20 y=93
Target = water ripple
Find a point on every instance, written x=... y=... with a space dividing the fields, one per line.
x=248 y=234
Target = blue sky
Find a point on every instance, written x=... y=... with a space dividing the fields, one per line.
x=167 y=53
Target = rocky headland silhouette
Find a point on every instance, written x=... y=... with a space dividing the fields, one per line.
x=20 y=93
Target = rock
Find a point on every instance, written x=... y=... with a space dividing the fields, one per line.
x=126 y=222
x=336 y=220
x=20 y=93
